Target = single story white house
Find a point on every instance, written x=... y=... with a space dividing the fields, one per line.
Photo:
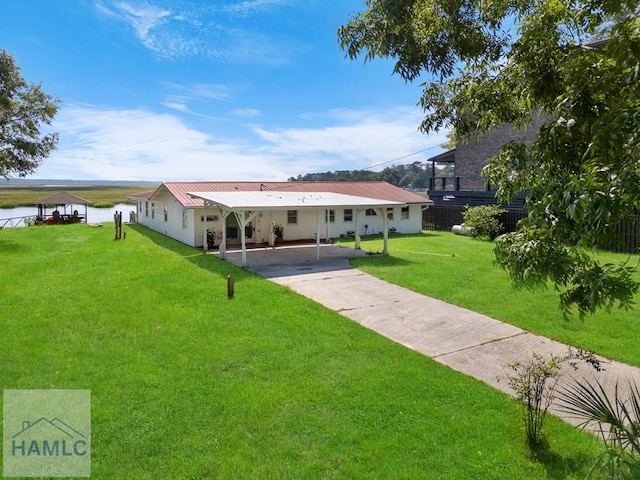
x=245 y=213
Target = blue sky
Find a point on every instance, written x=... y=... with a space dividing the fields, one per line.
x=169 y=90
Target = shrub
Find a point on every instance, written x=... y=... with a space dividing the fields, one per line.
x=534 y=383
x=278 y=230
x=482 y=221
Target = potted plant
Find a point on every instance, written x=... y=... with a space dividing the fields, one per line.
x=278 y=231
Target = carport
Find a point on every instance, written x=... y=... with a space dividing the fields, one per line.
x=247 y=205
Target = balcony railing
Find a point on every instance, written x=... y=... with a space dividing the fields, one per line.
x=445 y=183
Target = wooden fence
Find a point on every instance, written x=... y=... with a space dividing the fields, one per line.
x=443 y=217
x=628 y=236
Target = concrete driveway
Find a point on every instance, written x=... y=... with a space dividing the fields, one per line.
x=466 y=341
x=295 y=260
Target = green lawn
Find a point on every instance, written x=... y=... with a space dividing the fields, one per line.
x=188 y=384
x=460 y=270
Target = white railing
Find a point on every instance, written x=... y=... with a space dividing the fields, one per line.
x=24 y=221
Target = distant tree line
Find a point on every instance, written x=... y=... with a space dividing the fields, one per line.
x=415 y=175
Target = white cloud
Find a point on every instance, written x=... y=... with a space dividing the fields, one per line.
x=202 y=30
x=187 y=98
x=253 y=6
x=246 y=113
x=198 y=91
x=144 y=18
x=175 y=105
x=356 y=139
x=130 y=144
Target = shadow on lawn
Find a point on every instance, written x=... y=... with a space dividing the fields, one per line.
x=558 y=466
x=9 y=246
x=423 y=234
x=379 y=260
x=392 y=236
x=194 y=255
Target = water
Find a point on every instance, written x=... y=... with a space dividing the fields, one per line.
x=94 y=215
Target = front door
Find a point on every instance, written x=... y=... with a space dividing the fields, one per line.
x=233 y=231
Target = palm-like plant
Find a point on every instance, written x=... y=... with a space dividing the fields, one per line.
x=617 y=419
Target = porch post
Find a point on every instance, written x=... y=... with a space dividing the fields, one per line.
x=385 y=229
x=357 y=231
x=223 y=243
x=327 y=231
x=385 y=235
x=317 y=234
x=272 y=241
x=241 y=223
x=204 y=228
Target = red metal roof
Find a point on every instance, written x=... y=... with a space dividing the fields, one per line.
x=142 y=195
x=64 y=198
x=379 y=190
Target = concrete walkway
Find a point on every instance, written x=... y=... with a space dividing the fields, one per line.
x=466 y=341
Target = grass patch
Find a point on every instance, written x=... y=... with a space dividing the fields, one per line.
x=460 y=270
x=187 y=384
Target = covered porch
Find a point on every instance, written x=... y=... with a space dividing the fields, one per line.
x=246 y=206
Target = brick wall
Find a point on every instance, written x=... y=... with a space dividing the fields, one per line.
x=472 y=156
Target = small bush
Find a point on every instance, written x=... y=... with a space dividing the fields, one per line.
x=278 y=231
x=534 y=384
x=483 y=221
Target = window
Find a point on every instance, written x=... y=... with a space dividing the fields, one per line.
x=390 y=213
x=185 y=216
x=165 y=210
x=404 y=215
x=370 y=212
x=292 y=217
x=146 y=209
x=210 y=218
x=153 y=210
x=331 y=215
x=348 y=215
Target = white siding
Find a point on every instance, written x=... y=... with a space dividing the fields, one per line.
x=303 y=229
x=154 y=218
x=197 y=216
x=375 y=224
x=306 y=226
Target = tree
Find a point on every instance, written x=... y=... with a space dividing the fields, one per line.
x=24 y=109
x=413 y=175
x=485 y=64
x=451 y=142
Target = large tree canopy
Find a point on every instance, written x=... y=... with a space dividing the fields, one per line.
x=24 y=109
x=576 y=64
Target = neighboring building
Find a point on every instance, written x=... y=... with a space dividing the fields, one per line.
x=467 y=187
x=334 y=209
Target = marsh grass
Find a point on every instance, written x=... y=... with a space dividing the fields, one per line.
x=188 y=384
x=100 y=196
x=460 y=270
